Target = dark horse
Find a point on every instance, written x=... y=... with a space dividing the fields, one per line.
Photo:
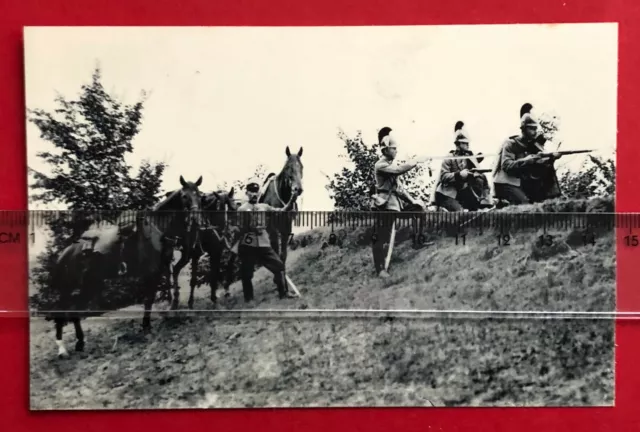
x=211 y=240
x=277 y=191
x=138 y=244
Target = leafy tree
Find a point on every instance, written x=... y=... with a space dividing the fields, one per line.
x=597 y=176
x=146 y=185
x=352 y=187
x=260 y=174
x=91 y=136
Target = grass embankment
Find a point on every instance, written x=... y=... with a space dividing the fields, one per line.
x=199 y=361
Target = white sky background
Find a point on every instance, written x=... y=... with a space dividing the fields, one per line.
x=224 y=100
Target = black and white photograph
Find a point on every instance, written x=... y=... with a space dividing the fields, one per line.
x=267 y=217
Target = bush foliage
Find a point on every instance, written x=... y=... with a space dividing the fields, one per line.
x=90 y=135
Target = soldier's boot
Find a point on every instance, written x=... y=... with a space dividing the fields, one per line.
x=122 y=268
x=383 y=274
x=283 y=290
x=247 y=289
x=502 y=203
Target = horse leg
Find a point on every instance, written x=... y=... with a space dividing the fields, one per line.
x=151 y=287
x=80 y=343
x=194 y=276
x=275 y=245
x=228 y=279
x=184 y=259
x=166 y=282
x=167 y=288
x=284 y=238
x=215 y=256
x=146 y=320
x=62 y=351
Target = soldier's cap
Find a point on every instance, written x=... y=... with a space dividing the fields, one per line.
x=253 y=185
x=460 y=134
x=527 y=118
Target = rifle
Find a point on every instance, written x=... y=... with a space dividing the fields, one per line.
x=480 y=170
x=561 y=153
x=424 y=159
x=541 y=180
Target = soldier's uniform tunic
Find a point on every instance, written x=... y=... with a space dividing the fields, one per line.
x=254 y=247
x=510 y=174
x=390 y=194
x=455 y=193
x=508 y=170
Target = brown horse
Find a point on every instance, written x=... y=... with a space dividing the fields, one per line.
x=211 y=240
x=278 y=190
x=137 y=243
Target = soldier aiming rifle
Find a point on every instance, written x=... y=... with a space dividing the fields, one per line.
x=390 y=198
x=461 y=184
x=524 y=172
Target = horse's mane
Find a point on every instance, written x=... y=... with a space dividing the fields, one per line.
x=267 y=178
x=209 y=198
x=265 y=186
x=165 y=202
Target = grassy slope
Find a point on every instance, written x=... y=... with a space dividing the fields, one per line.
x=198 y=361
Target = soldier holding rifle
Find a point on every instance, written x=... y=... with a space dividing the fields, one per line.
x=461 y=184
x=524 y=173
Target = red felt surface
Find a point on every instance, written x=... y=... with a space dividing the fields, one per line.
x=14 y=359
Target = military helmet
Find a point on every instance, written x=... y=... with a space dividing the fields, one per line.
x=527 y=118
x=460 y=134
x=384 y=138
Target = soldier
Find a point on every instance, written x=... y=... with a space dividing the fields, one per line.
x=520 y=175
x=458 y=187
x=254 y=246
x=390 y=196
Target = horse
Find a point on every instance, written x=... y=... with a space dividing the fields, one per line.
x=211 y=240
x=277 y=191
x=134 y=245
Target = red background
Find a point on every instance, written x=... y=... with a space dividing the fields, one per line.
x=14 y=357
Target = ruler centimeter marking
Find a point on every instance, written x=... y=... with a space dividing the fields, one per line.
x=457 y=225
x=422 y=228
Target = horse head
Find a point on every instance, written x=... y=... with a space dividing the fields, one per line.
x=291 y=174
x=190 y=200
x=190 y=194
x=219 y=202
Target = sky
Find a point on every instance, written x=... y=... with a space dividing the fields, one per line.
x=224 y=100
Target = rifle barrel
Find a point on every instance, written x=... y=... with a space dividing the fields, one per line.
x=564 y=152
x=461 y=157
x=575 y=151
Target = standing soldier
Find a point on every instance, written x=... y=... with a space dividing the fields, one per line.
x=389 y=197
x=254 y=245
x=459 y=187
x=520 y=176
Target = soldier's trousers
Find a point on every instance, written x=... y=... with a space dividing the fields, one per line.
x=513 y=194
x=381 y=237
x=265 y=256
x=465 y=200
x=451 y=204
